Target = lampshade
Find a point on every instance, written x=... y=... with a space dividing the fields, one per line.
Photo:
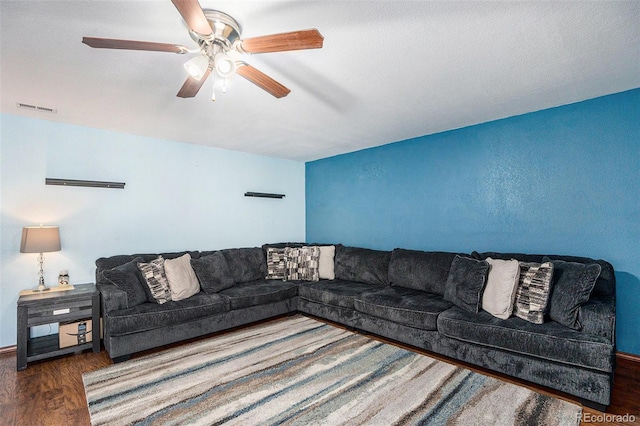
x=197 y=67
x=40 y=239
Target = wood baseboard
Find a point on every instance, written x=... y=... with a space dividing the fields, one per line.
x=8 y=349
x=621 y=355
x=628 y=357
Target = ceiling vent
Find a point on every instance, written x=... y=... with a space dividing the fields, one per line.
x=36 y=108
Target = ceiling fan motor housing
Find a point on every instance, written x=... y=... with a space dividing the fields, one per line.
x=224 y=29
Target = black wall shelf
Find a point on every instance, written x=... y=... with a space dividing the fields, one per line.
x=86 y=183
x=263 y=195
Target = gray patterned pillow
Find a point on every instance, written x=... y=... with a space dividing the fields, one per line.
x=302 y=263
x=276 y=263
x=156 y=280
x=534 y=288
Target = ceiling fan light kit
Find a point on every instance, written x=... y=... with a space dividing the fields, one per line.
x=218 y=37
x=224 y=65
x=197 y=67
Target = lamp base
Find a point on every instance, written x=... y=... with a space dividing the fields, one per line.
x=40 y=289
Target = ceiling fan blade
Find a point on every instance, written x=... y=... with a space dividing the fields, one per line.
x=193 y=15
x=296 y=40
x=112 y=43
x=191 y=86
x=262 y=80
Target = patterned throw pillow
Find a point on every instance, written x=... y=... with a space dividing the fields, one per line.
x=154 y=276
x=534 y=288
x=302 y=263
x=276 y=263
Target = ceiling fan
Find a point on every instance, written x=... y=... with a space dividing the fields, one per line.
x=218 y=37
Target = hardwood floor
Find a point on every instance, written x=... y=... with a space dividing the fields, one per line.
x=51 y=392
x=48 y=392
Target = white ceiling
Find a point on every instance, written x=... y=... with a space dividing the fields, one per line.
x=388 y=71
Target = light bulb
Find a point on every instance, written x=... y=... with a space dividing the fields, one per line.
x=224 y=65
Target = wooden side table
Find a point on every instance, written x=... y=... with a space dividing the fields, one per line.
x=83 y=302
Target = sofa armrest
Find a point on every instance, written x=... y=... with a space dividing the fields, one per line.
x=598 y=316
x=113 y=299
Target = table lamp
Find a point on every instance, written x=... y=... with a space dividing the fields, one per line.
x=40 y=239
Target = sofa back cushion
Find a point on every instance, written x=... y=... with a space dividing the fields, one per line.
x=170 y=255
x=114 y=261
x=246 y=264
x=466 y=281
x=573 y=283
x=420 y=270
x=127 y=277
x=265 y=247
x=362 y=265
x=213 y=272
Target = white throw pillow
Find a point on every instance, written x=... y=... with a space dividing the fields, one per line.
x=500 y=292
x=181 y=276
x=326 y=266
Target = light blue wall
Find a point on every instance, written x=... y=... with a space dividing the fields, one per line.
x=177 y=197
x=560 y=181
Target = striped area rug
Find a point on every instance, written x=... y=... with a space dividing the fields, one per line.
x=304 y=372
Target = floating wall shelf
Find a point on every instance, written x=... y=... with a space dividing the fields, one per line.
x=263 y=195
x=87 y=183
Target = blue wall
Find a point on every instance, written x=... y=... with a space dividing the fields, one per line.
x=177 y=197
x=559 y=181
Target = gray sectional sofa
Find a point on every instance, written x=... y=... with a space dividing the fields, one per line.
x=399 y=294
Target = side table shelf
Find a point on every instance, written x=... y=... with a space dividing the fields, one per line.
x=83 y=302
x=49 y=346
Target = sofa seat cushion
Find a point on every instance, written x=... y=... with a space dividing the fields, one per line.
x=550 y=341
x=406 y=306
x=336 y=292
x=149 y=316
x=259 y=292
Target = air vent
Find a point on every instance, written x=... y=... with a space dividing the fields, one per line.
x=36 y=108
